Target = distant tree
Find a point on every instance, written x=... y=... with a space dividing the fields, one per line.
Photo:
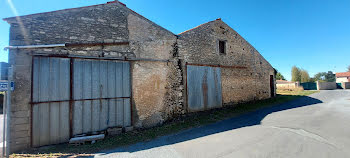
x=349 y=68
x=296 y=77
x=330 y=77
x=312 y=79
x=325 y=76
x=304 y=76
x=321 y=76
x=279 y=76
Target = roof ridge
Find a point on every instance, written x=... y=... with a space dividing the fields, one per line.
x=198 y=26
x=342 y=74
x=110 y=2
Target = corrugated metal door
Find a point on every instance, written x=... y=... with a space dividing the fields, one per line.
x=50 y=83
x=100 y=97
x=101 y=90
x=203 y=87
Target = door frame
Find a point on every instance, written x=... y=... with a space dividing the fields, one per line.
x=272 y=86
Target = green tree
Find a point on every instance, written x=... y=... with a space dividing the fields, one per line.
x=304 y=76
x=349 y=68
x=325 y=76
x=279 y=76
x=330 y=77
x=296 y=77
x=321 y=76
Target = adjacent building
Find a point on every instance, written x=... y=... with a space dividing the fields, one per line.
x=342 y=77
x=84 y=70
x=3 y=70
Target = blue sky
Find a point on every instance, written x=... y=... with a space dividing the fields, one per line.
x=311 y=34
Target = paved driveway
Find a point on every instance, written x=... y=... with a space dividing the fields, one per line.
x=312 y=127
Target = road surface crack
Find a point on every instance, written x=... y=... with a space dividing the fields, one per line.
x=305 y=133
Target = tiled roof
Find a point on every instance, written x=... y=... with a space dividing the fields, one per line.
x=342 y=74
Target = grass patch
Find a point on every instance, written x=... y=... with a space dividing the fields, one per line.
x=295 y=92
x=180 y=123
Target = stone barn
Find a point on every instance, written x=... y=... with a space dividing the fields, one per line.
x=85 y=70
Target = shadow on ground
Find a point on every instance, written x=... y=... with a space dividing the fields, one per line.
x=245 y=120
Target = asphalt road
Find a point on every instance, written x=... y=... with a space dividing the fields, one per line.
x=317 y=126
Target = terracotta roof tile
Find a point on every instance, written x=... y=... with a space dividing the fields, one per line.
x=342 y=74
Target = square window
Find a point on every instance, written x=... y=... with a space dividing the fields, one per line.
x=222 y=47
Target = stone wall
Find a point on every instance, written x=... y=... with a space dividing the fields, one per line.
x=157 y=56
x=156 y=83
x=100 y=23
x=287 y=85
x=326 y=85
x=20 y=99
x=345 y=85
x=245 y=73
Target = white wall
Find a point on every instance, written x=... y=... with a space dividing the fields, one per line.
x=342 y=79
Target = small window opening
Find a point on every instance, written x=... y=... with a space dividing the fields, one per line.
x=222 y=47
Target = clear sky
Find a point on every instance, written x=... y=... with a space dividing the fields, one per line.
x=311 y=34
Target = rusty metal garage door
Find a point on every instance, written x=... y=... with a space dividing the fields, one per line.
x=203 y=87
x=101 y=94
x=50 y=111
x=75 y=96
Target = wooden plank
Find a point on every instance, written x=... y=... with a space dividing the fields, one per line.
x=87 y=94
x=120 y=112
x=119 y=79
x=36 y=79
x=126 y=79
x=44 y=96
x=36 y=126
x=104 y=94
x=54 y=95
x=126 y=93
x=78 y=94
x=195 y=78
x=119 y=93
x=219 y=88
x=111 y=93
x=36 y=118
x=127 y=113
x=96 y=93
x=64 y=93
x=214 y=87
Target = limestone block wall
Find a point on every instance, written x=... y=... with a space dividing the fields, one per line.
x=345 y=85
x=100 y=23
x=20 y=99
x=158 y=60
x=326 y=85
x=157 y=93
x=156 y=83
x=287 y=85
x=245 y=73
